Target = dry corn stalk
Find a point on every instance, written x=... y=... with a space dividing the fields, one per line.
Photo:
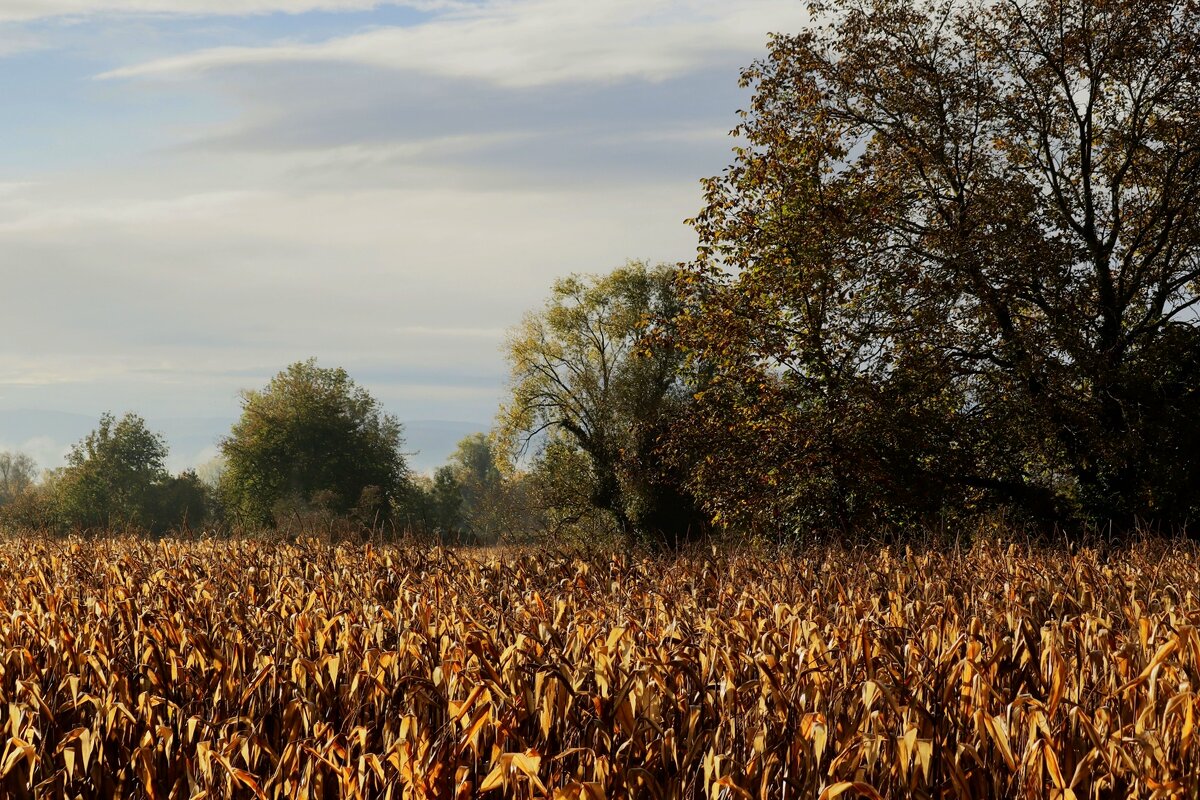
x=264 y=670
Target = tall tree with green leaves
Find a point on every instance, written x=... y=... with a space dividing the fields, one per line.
x=113 y=476
x=955 y=265
x=589 y=374
x=311 y=436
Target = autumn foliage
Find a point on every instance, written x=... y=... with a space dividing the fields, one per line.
x=953 y=268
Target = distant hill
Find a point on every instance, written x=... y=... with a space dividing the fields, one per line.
x=47 y=436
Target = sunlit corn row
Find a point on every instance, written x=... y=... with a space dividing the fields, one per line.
x=252 y=669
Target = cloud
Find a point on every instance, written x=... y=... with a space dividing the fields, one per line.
x=325 y=126
x=528 y=43
x=25 y=10
x=146 y=293
x=46 y=452
x=356 y=157
x=14 y=41
x=388 y=201
x=36 y=377
x=146 y=212
x=438 y=332
x=14 y=187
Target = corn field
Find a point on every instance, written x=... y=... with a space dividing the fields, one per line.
x=243 y=668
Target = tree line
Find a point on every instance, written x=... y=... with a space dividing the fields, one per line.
x=952 y=271
x=311 y=449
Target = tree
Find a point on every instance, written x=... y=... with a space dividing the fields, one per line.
x=562 y=481
x=182 y=502
x=112 y=476
x=446 y=501
x=482 y=489
x=955 y=265
x=474 y=464
x=17 y=473
x=312 y=436
x=472 y=499
x=584 y=374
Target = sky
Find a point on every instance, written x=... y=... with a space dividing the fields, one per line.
x=196 y=193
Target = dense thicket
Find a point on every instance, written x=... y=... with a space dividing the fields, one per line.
x=954 y=266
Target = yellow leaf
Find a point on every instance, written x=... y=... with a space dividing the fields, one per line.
x=863 y=789
x=496 y=778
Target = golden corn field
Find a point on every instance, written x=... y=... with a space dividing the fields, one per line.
x=218 y=668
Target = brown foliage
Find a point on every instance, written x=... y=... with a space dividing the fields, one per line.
x=955 y=263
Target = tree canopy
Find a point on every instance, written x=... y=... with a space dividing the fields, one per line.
x=586 y=380
x=954 y=265
x=113 y=475
x=312 y=437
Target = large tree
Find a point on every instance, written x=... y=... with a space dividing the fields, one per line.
x=113 y=477
x=311 y=437
x=955 y=263
x=586 y=379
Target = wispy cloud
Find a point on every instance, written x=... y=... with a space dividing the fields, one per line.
x=15 y=40
x=528 y=43
x=22 y=10
x=374 y=155
x=39 y=378
x=438 y=332
x=140 y=212
x=14 y=188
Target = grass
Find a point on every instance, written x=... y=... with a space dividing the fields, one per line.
x=242 y=668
